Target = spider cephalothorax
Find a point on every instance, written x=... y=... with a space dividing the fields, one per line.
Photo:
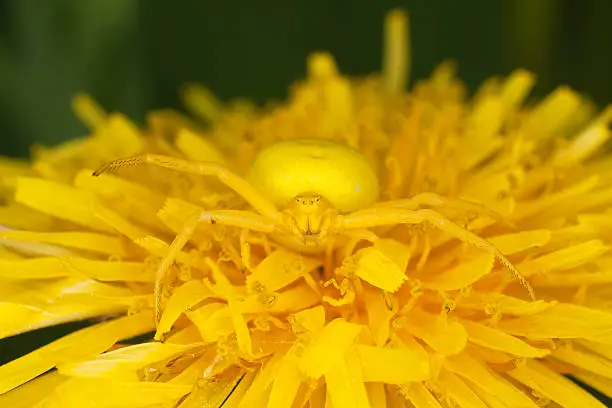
x=309 y=216
x=325 y=189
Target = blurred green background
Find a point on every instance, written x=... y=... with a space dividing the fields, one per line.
x=134 y=55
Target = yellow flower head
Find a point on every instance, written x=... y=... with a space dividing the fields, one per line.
x=356 y=246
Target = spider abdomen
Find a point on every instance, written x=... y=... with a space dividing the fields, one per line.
x=340 y=174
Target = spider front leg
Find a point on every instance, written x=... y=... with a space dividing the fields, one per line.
x=239 y=185
x=234 y=218
x=389 y=216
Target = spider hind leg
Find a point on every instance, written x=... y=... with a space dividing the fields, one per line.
x=234 y=218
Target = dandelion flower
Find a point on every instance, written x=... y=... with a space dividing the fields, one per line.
x=469 y=265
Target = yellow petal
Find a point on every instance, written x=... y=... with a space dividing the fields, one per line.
x=98 y=392
x=183 y=298
x=512 y=243
x=35 y=268
x=201 y=102
x=498 y=340
x=59 y=200
x=288 y=301
x=30 y=393
x=486 y=118
x=263 y=380
x=21 y=217
x=379 y=316
x=377 y=395
x=12 y=167
x=197 y=148
x=118 y=223
x=516 y=88
x=88 y=111
x=471 y=369
x=286 y=384
x=421 y=397
x=571 y=279
x=159 y=248
x=563 y=320
x=8 y=254
x=587 y=142
x=552 y=113
x=239 y=322
x=599 y=348
x=462 y=275
x=327 y=347
x=88 y=241
x=310 y=320
x=443 y=335
x=167 y=122
x=492 y=401
x=90 y=292
x=111 y=271
x=344 y=385
x=579 y=190
x=19 y=318
x=391 y=365
x=553 y=385
x=278 y=270
x=319 y=399
x=51 y=292
x=508 y=305
x=127 y=198
x=458 y=391
x=123 y=363
x=213 y=321
x=188 y=335
x=585 y=360
x=58 y=163
x=175 y=212
x=85 y=343
x=374 y=267
x=216 y=392
x=487 y=188
x=120 y=137
x=601 y=384
x=34 y=249
x=565 y=258
x=483 y=145
x=238 y=392
x=396 y=251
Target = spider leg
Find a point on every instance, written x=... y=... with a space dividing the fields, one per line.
x=234 y=218
x=389 y=216
x=231 y=180
x=436 y=200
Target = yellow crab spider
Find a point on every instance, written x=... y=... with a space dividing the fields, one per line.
x=325 y=189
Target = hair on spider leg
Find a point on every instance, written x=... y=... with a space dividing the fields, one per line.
x=117 y=164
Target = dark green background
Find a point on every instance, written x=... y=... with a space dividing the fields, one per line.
x=133 y=55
